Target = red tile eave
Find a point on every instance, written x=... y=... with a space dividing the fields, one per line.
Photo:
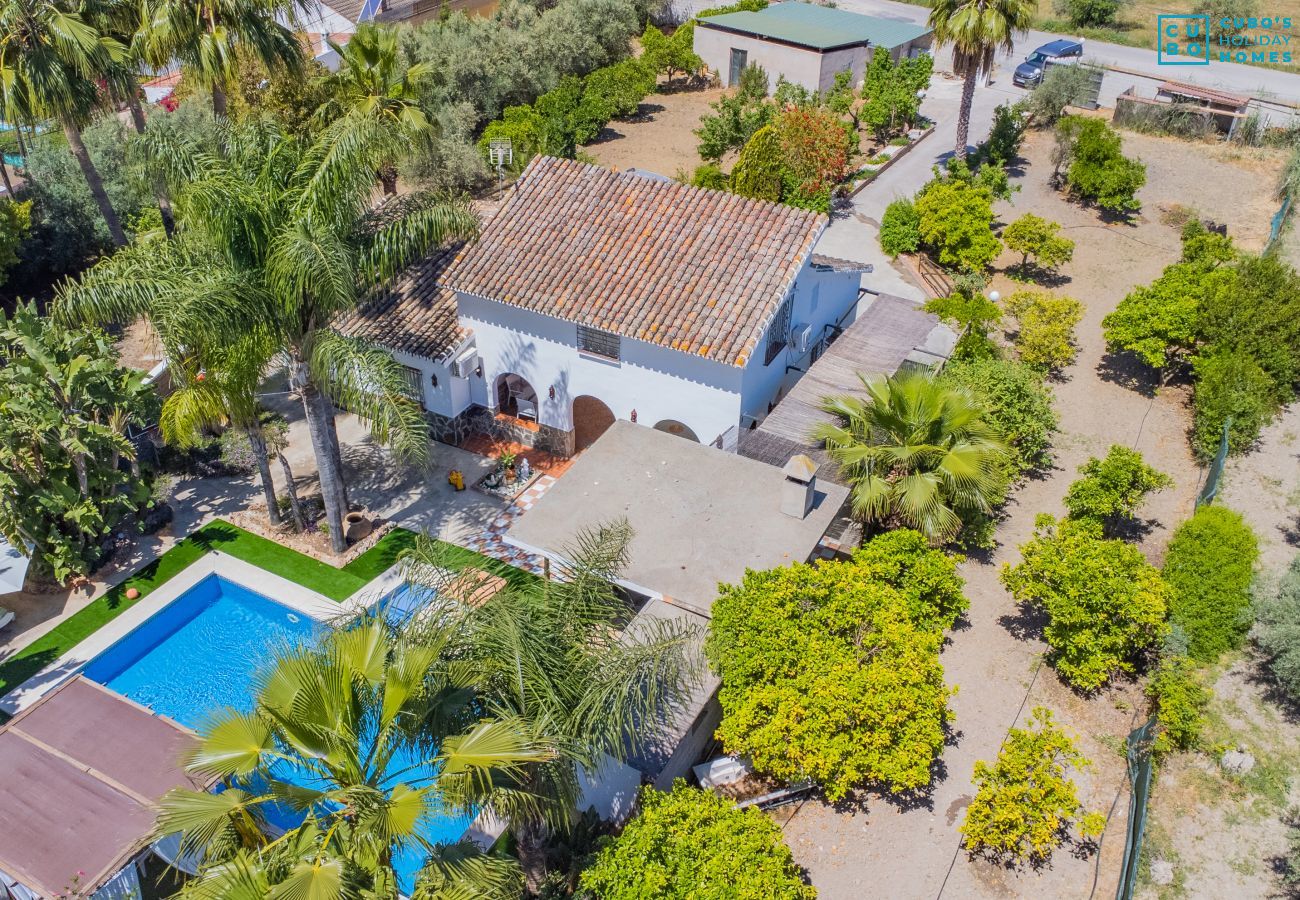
x=695 y=270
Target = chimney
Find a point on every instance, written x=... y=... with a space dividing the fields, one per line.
x=800 y=485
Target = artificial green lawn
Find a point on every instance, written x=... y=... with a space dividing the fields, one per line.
x=324 y=579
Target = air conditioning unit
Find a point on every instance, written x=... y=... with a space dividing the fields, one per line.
x=800 y=338
x=465 y=365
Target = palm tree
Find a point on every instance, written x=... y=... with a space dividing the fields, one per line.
x=567 y=656
x=223 y=391
x=280 y=236
x=916 y=453
x=204 y=35
x=976 y=29
x=370 y=734
x=51 y=58
x=372 y=81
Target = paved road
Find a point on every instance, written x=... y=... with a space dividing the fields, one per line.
x=1234 y=77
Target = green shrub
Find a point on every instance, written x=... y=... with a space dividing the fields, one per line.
x=1180 y=700
x=800 y=697
x=1005 y=137
x=1025 y=803
x=710 y=176
x=956 y=223
x=758 y=171
x=1017 y=404
x=1112 y=489
x=1061 y=87
x=1088 y=13
x=1033 y=236
x=1277 y=628
x=690 y=844
x=1104 y=602
x=900 y=228
x=1098 y=172
x=1044 y=327
x=927 y=578
x=1208 y=568
x=1229 y=382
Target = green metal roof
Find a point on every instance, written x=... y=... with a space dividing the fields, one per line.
x=818 y=27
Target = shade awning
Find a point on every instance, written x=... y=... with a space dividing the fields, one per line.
x=84 y=770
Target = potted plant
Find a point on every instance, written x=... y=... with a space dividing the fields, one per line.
x=506 y=461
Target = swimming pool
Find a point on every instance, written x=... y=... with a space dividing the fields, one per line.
x=201 y=653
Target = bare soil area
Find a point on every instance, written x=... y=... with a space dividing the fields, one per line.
x=660 y=138
x=911 y=848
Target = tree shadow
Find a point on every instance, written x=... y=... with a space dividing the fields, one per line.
x=1026 y=623
x=1126 y=370
x=1260 y=675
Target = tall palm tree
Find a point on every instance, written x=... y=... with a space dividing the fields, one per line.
x=370 y=734
x=204 y=35
x=292 y=245
x=372 y=81
x=916 y=453
x=52 y=57
x=976 y=29
x=567 y=656
x=222 y=390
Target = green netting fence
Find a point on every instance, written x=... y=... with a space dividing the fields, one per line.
x=1139 y=776
x=1211 y=487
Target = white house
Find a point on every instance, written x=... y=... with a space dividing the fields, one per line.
x=595 y=295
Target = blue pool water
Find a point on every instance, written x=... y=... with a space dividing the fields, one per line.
x=202 y=652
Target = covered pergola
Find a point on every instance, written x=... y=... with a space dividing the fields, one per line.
x=84 y=769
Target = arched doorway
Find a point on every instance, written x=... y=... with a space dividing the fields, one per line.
x=672 y=426
x=590 y=419
x=516 y=397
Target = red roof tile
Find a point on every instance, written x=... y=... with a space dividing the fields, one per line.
x=415 y=315
x=692 y=269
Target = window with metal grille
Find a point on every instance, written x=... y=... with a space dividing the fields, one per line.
x=601 y=343
x=414 y=379
x=779 y=332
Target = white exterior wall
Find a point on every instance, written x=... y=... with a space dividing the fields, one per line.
x=657 y=382
x=821 y=298
x=450 y=396
x=815 y=71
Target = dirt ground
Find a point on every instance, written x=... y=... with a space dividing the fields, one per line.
x=660 y=138
x=884 y=848
x=1225 y=835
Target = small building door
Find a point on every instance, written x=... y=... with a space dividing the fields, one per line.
x=738 y=60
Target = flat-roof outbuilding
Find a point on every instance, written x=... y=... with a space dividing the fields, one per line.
x=805 y=43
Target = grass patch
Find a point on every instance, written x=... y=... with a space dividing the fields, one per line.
x=336 y=584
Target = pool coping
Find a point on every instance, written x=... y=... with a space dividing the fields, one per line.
x=246 y=575
x=484 y=830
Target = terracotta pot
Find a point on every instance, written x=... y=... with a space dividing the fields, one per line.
x=356 y=526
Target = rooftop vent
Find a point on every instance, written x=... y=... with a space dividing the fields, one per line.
x=799 y=487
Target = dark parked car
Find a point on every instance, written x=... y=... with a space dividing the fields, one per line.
x=1030 y=72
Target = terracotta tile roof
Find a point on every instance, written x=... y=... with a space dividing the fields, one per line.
x=415 y=315
x=692 y=269
x=1196 y=92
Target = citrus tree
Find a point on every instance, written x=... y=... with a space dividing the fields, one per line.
x=1025 y=801
x=691 y=844
x=799 y=696
x=1105 y=603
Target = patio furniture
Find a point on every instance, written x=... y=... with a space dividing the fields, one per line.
x=527 y=409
